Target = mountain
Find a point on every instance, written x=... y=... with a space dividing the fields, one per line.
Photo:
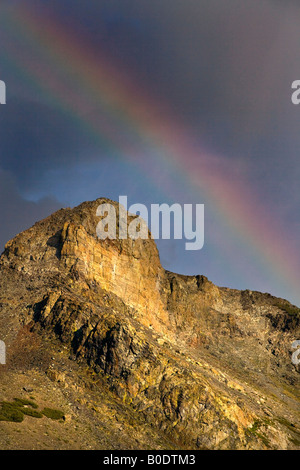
x=127 y=355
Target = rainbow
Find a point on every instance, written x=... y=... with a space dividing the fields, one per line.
x=129 y=124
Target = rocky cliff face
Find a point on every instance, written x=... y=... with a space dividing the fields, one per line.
x=179 y=361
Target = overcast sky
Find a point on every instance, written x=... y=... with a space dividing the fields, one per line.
x=223 y=68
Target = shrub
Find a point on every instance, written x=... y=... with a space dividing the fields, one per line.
x=32 y=413
x=23 y=402
x=15 y=411
x=290 y=309
x=10 y=412
x=53 y=414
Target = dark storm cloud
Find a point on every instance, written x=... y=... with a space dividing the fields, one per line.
x=18 y=214
x=36 y=138
x=224 y=67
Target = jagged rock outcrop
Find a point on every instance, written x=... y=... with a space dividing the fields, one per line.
x=206 y=367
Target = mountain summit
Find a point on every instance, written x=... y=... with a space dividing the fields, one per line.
x=134 y=356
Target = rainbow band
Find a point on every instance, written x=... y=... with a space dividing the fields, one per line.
x=129 y=124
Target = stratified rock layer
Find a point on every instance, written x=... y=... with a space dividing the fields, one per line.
x=204 y=366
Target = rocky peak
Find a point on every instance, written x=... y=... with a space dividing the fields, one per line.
x=200 y=362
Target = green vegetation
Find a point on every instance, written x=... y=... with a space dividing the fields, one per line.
x=15 y=411
x=288 y=308
x=32 y=413
x=295 y=441
x=23 y=402
x=10 y=412
x=255 y=426
x=290 y=426
x=52 y=414
x=254 y=432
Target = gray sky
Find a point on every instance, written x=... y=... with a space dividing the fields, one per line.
x=224 y=68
